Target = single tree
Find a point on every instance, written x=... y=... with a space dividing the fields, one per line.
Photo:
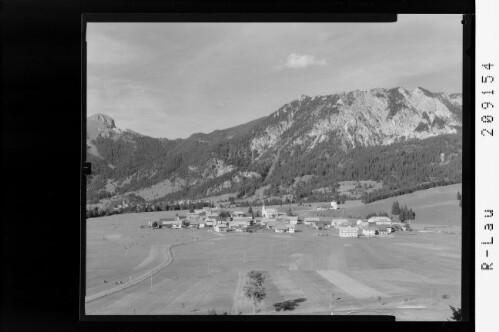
x=290 y=213
x=255 y=288
x=412 y=214
x=458 y=195
x=250 y=211
x=396 y=208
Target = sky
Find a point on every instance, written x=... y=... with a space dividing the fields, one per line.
x=174 y=79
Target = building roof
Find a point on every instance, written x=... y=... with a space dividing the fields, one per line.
x=238 y=223
x=379 y=218
x=168 y=219
x=348 y=229
x=284 y=226
x=311 y=219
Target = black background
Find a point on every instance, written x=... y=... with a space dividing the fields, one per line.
x=41 y=139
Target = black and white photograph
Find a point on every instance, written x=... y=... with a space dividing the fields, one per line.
x=275 y=168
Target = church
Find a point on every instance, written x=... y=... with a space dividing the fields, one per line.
x=269 y=213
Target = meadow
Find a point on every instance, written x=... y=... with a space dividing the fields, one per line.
x=412 y=275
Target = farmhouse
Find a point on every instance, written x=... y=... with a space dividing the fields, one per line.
x=369 y=231
x=280 y=228
x=362 y=223
x=238 y=224
x=310 y=220
x=236 y=214
x=380 y=220
x=383 y=230
x=155 y=224
x=242 y=219
x=272 y=223
x=167 y=221
x=338 y=222
x=196 y=223
x=321 y=224
x=220 y=228
x=211 y=221
x=349 y=231
x=269 y=213
x=293 y=220
x=192 y=215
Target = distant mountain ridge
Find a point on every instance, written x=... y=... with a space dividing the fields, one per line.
x=306 y=132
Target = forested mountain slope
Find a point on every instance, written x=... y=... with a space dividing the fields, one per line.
x=399 y=137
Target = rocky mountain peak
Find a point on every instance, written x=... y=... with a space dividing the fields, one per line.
x=103 y=119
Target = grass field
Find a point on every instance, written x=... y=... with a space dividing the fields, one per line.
x=412 y=275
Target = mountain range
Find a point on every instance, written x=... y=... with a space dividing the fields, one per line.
x=397 y=137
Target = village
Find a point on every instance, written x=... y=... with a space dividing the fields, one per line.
x=270 y=219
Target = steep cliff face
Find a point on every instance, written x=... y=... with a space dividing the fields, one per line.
x=222 y=160
x=361 y=118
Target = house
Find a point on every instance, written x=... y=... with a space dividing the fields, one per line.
x=339 y=222
x=362 y=223
x=404 y=228
x=369 y=231
x=322 y=223
x=192 y=215
x=196 y=223
x=177 y=224
x=240 y=219
x=349 y=231
x=380 y=220
x=269 y=213
x=236 y=214
x=382 y=230
x=390 y=229
x=238 y=224
x=281 y=228
x=155 y=224
x=334 y=205
x=310 y=220
x=167 y=221
x=213 y=220
x=291 y=228
x=293 y=220
x=220 y=228
x=198 y=211
x=272 y=223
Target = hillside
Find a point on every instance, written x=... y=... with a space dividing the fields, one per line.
x=397 y=137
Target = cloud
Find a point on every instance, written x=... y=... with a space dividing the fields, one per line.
x=296 y=61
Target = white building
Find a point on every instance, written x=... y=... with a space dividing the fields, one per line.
x=269 y=213
x=334 y=205
x=309 y=221
x=220 y=228
x=369 y=231
x=380 y=220
x=349 y=231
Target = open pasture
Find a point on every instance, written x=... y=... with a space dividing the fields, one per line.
x=412 y=275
